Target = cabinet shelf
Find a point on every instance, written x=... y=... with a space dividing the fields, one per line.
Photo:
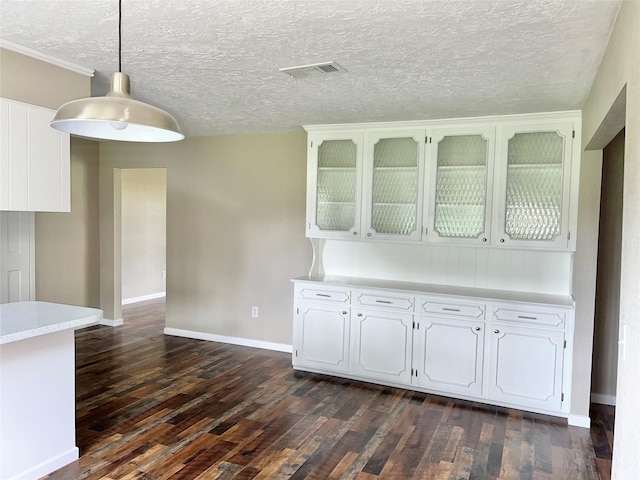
x=381 y=169
x=462 y=167
x=550 y=166
x=337 y=169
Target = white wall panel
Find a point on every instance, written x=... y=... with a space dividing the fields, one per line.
x=494 y=268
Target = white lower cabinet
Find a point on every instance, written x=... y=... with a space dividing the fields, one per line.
x=381 y=344
x=512 y=353
x=526 y=366
x=322 y=337
x=448 y=355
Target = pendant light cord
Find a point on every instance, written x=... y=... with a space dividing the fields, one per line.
x=120 y=36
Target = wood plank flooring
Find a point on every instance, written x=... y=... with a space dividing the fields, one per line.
x=154 y=407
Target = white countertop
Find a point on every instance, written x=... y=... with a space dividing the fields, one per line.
x=22 y=320
x=424 y=288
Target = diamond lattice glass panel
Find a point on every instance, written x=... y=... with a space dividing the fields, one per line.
x=395 y=186
x=534 y=186
x=336 y=184
x=461 y=186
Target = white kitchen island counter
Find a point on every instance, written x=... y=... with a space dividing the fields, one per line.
x=37 y=386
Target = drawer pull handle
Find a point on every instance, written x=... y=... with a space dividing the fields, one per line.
x=524 y=317
x=384 y=301
x=323 y=295
x=446 y=309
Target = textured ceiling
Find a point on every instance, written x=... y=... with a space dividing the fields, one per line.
x=214 y=63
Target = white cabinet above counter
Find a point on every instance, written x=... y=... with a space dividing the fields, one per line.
x=509 y=181
x=505 y=348
x=34 y=160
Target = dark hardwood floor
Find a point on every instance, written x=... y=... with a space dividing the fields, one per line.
x=151 y=406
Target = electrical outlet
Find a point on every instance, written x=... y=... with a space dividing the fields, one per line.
x=254 y=312
x=164 y=274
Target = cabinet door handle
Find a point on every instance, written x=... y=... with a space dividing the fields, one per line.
x=368 y=234
x=384 y=301
x=502 y=240
x=446 y=309
x=484 y=239
x=524 y=317
x=355 y=233
x=359 y=314
x=496 y=331
x=344 y=313
x=477 y=329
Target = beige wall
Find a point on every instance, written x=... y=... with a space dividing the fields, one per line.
x=144 y=231
x=235 y=230
x=68 y=244
x=620 y=68
x=607 y=310
x=67 y=253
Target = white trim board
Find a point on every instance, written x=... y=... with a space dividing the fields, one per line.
x=111 y=323
x=50 y=465
x=603 y=399
x=59 y=62
x=151 y=296
x=579 y=421
x=245 y=342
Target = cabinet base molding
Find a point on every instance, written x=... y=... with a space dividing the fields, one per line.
x=244 y=342
x=579 y=421
x=577 y=418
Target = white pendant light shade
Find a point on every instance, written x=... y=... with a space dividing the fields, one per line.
x=117 y=116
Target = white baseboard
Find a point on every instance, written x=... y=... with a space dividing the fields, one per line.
x=151 y=296
x=603 y=399
x=48 y=466
x=111 y=323
x=245 y=342
x=579 y=421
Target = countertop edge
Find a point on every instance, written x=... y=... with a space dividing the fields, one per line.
x=36 y=332
x=492 y=295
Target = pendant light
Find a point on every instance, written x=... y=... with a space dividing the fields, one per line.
x=117 y=116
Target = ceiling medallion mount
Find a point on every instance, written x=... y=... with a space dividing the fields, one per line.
x=117 y=116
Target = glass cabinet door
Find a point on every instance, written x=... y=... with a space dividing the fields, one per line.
x=394 y=185
x=535 y=186
x=461 y=171
x=334 y=182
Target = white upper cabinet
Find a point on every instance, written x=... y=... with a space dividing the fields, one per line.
x=365 y=185
x=534 y=186
x=334 y=185
x=503 y=182
x=393 y=182
x=460 y=185
x=34 y=160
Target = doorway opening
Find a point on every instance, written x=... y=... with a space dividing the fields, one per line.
x=144 y=234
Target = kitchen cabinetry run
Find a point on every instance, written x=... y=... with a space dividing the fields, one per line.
x=34 y=160
x=481 y=345
x=496 y=181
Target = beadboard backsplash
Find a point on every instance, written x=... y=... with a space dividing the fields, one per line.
x=493 y=268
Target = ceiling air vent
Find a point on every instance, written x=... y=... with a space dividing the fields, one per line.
x=304 y=71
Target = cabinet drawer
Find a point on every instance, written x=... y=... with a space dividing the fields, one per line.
x=468 y=310
x=529 y=316
x=325 y=294
x=384 y=300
